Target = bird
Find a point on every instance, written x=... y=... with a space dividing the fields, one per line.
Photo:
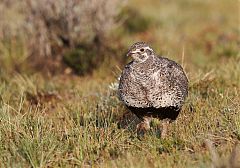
x=152 y=86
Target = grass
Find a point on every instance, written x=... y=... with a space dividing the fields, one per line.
x=76 y=123
x=71 y=121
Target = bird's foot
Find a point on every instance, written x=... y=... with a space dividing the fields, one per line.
x=143 y=127
x=164 y=131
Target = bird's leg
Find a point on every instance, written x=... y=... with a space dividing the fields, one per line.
x=143 y=126
x=164 y=131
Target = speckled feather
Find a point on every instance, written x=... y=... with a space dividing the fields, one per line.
x=155 y=83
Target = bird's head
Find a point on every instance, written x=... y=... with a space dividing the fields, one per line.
x=140 y=51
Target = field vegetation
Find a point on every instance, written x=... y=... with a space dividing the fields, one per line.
x=59 y=68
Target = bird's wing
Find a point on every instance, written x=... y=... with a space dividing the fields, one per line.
x=171 y=84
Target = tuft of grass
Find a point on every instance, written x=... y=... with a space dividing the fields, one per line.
x=13 y=55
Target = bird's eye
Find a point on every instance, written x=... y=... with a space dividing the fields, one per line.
x=142 y=49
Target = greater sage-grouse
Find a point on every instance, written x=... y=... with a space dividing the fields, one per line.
x=152 y=87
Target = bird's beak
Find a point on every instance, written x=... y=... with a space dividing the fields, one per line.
x=131 y=53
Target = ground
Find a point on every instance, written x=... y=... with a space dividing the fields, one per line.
x=72 y=121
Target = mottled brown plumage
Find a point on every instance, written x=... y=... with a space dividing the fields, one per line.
x=152 y=86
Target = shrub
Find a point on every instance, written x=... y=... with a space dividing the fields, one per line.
x=53 y=27
x=81 y=60
x=135 y=22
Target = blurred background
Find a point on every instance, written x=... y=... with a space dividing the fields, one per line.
x=87 y=36
x=59 y=64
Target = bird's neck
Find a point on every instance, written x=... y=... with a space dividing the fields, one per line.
x=145 y=65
